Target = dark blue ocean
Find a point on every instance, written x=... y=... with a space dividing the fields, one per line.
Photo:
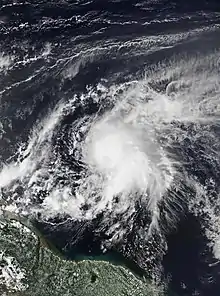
x=67 y=66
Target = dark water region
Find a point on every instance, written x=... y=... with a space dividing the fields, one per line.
x=183 y=253
x=188 y=264
x=98 y=20
x=77 y=245
x=188 y=259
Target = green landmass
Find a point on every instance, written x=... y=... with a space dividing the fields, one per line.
x=29 y=267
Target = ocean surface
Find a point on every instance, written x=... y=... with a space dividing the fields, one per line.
x=110 y=132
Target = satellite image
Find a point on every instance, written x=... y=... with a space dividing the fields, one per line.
x=109 y=148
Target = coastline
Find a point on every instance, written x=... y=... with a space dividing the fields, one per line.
x=111 y=257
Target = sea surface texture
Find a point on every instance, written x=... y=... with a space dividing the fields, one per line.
x=110 y=142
